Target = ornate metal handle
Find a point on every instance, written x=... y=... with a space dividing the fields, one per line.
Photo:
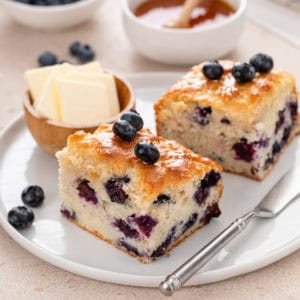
x=182 y=274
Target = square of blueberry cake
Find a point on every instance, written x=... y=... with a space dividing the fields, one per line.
x=139 y=192
x=241 y=115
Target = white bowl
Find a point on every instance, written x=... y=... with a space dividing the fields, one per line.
x=51 y=17
x=184 y=46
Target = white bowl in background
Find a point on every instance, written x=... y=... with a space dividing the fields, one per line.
x=184 y=46
x=51 y=17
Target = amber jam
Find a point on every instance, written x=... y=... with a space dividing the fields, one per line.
x=160 y=12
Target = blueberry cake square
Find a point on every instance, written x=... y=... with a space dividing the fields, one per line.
x=239 y=116
x=142 y=208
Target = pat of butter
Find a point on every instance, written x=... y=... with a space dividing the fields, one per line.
x=83 y=103
x=48 y=105
x=93 y=67
x=36 y=79
x=106 y=79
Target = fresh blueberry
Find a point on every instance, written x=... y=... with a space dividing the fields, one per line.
x=20 y=217
x=262 y=63
x=47 y=59
x=213 y=70
x=243 y=72
x=75 y=48
x=33 y=196
x=114 y=189
x=86 y=54
x=86 y=192
x=147 y=152
x=124 y=130
x=134 y=119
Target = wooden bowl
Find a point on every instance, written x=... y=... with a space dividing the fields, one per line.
x=52 y=136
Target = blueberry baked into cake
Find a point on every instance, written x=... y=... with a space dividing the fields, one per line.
x=141 y=193
x=242 y=115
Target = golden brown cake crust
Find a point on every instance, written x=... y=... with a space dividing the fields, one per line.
x=176 y=164
x=246 y=102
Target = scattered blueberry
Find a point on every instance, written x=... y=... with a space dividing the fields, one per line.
x=68 y=214
x=262 y=63
x=47 y=2
x=286 y=134
x=147 y=152
x=262 y=143
x=243 y=72
x=33 y=196
x=244 y=150
x=128 y=247
x=124 y=227
x=190 y=222
x=280 y=120
x=86 y=54
x=225 y=121
x=163 y=198
x=293 y=106
x=75 y=48
x=83 y=52
x=86 y=192
x=47 y=59
x=211 y=179
x=20 y=217
x=134 y=119
x=114 y=188
x=203 y=188
x=145 y=224
x=201 y=194
x=268 y=162
x=202 y=115
x=276 y=148
x=124 y=130
x=162 y=248
x=213 y=211
x=213 y=70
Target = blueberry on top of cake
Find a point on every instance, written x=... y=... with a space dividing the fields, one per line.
x=144 y=196
x=243 y=119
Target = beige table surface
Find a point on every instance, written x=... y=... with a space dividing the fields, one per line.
x=22 y=275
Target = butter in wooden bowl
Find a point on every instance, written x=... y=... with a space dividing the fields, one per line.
x=62 y=99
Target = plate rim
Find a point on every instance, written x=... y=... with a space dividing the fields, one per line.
x=135 y=279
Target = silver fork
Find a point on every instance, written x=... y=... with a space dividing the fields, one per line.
x=284 y=192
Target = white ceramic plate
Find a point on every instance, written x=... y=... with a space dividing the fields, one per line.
x=62 y=244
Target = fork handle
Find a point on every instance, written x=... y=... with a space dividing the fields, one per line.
x=182 y=274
